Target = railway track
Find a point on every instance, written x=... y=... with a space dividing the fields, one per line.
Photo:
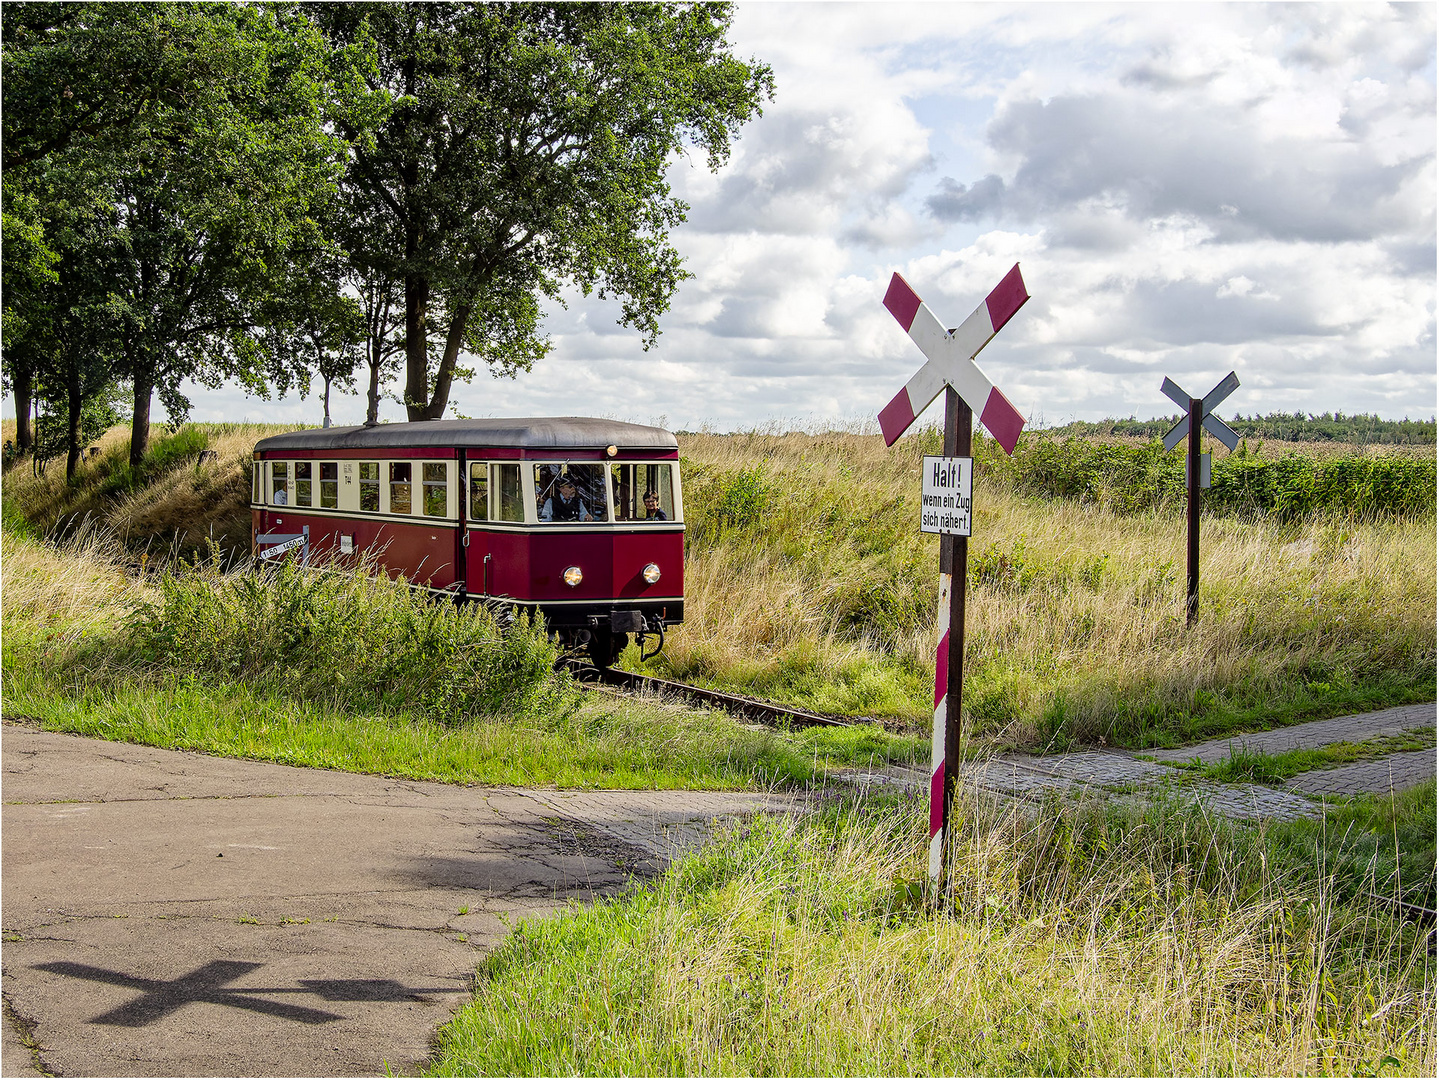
x=746 y=708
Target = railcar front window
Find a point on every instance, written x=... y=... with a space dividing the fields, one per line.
x=330 y=485
x=505 y=480
x=370 y=485
x=570 y=493
x=399 y=487
x=302 y=483
x=436 y=488
x=480 y=492
x=643 y=492
x=279 y=482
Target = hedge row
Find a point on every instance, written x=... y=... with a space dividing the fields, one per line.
x=1145 y=476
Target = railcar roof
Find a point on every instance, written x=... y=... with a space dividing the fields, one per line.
x=561 y=432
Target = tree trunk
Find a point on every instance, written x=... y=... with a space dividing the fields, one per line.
x=417 y=353
x=454 y=337
x=74 y=402
x=140 y=421
x=372 y=407
x=24 y=402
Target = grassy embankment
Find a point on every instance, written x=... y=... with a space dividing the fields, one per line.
x=808 y=581
x=336 y=671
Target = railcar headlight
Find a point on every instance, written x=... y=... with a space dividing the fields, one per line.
x=573 y=576
x=652 y=573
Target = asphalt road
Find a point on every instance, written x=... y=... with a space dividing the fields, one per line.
x=174 y=914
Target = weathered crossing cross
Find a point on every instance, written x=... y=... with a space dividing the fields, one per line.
x=949 y=366
x=1212 y=424
x=1197 y=414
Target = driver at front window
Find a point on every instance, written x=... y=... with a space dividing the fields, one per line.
x=566 y=505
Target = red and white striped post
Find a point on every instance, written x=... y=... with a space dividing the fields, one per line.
x=950 y=366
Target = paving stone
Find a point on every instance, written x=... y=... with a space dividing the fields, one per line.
x=1376 y=775
x=1317 y=733
x=1253 y=802
x=1109 y=768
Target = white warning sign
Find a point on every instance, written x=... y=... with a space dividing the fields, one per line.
x=945 y=495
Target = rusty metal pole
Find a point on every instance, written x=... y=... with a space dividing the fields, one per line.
x=1196 y=416
x=954 y=560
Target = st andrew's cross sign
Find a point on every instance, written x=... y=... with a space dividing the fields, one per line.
x=1197 y=413
x=949 y=366
x=950 y=359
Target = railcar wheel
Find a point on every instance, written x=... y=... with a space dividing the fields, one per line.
x=605 y=647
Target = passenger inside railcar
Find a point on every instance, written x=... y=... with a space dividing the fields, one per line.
x=575 y=493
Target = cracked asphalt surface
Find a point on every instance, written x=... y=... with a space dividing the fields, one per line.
x=169 y=913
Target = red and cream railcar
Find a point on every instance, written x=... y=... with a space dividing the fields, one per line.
x=581 y=520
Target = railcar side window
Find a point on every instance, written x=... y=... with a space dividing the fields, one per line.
x=571 y=493
x=480 y=492
x=257 y=483
x=370 y=485
x=643 y=492
x=434 y=475
x=509 y=500
x=330 y=485
x=279 y=482
x=302 y=483
x=400 y=487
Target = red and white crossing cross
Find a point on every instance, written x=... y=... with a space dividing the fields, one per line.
x=949 y=360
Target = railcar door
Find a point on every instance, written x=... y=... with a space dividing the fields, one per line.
x=494 y=530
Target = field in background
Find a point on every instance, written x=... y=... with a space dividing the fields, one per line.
x=808 y=581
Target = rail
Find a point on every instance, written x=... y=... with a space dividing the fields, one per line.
x=747 y=708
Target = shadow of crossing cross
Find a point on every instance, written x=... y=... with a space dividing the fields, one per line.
x=210 y=984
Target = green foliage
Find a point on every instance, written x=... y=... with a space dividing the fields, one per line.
x=1361 y=428
x=500 y=152
x=14 y=522
x=1368 y=845
x=176 y=181
x=1253 y=766
x=1135 y=477
x=332 y=636
x=738 y=500
x=163 y=453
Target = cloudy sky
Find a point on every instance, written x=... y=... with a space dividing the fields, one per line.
x=1187 y=189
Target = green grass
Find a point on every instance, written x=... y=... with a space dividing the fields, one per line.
x=1086 y=941
x=1254 y=766
x=594 y=744
x=342 y=672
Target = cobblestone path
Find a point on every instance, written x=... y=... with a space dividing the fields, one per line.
x=1115 y=773
x=1309 y=736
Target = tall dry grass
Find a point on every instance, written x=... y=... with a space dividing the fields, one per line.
x=178 y=503
x=1075 y=612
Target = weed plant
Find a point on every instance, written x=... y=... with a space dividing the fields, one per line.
x=354 y=639
x=1077 y=940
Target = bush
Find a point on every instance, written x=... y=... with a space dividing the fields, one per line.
x=351 y=639
x=1133 y=477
